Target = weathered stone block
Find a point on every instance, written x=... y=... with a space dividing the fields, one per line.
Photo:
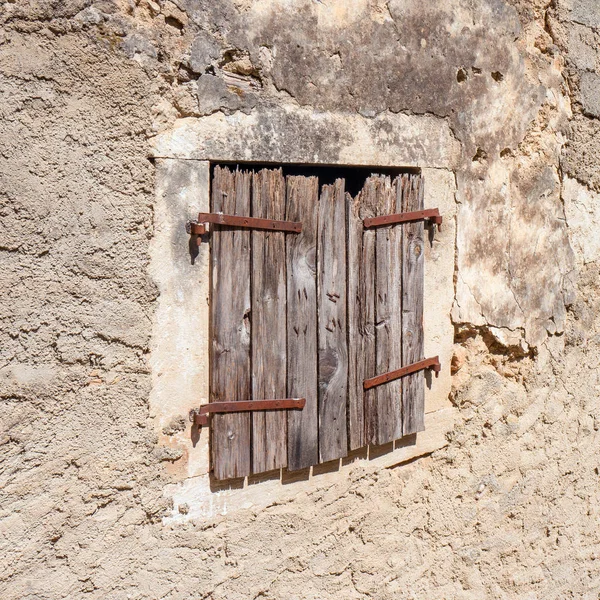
x=586 y=12
x=582 y=48
x=204 y=51
x=310 y=136
x=215 y=94
x=590 y=93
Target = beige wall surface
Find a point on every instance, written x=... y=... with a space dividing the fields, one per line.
x=110 y=112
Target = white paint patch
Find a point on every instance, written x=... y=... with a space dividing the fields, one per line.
x=179 y=347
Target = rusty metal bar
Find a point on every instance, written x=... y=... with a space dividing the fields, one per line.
x=428 y=363
x=431 y=214
x=250 y=222
x=200 y=417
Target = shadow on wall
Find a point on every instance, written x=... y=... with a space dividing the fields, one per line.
x=289 y=477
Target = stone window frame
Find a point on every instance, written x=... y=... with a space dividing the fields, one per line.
x=180 y=336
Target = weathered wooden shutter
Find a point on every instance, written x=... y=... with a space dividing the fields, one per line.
x=385 y=284
x=312 y=315
x=376 y=328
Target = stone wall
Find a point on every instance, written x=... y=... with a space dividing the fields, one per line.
x=93 y=475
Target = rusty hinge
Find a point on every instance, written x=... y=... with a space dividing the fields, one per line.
x=431 y=214
x=200 y=416
x=198 y=227
x=428 y=363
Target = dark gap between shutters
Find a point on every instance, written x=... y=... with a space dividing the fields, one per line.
x=308 y=314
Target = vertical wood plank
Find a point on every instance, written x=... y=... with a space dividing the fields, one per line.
x=388 y=316
x=361 y=316
x=301 y=257
x=413 y=386
x=332 y=335
x=269 y=380
x=230 y=311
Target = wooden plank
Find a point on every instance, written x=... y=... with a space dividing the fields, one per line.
x=301 y=258
x=388 y=317
x=269 y=379
x=230 y=322
x=361 y=315
x=413 y=250
x=332 y=340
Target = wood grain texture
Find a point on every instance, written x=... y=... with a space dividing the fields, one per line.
x=413 y=275
x=301 y=258
x=332 y=334
x=361 y=314
x=268 y=294
x=388 y=317
x=230 y=335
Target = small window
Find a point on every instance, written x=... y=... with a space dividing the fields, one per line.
x=314 y=314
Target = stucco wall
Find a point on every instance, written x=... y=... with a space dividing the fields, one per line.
x=498 y=97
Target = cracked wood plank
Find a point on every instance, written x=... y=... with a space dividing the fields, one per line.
x=301 y=257
x=268 y=293
x=361 y=311
x=332 y=341
x=385 y=423
x=230 y=320
x=410 y=199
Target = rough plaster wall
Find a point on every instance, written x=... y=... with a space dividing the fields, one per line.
x=426 y=59
x=509 y=509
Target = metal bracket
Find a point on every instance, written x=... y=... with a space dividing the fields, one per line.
x=198 y=227
x=428 y=363
x=195 y=228
x=431 y=214
x=201 y=416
